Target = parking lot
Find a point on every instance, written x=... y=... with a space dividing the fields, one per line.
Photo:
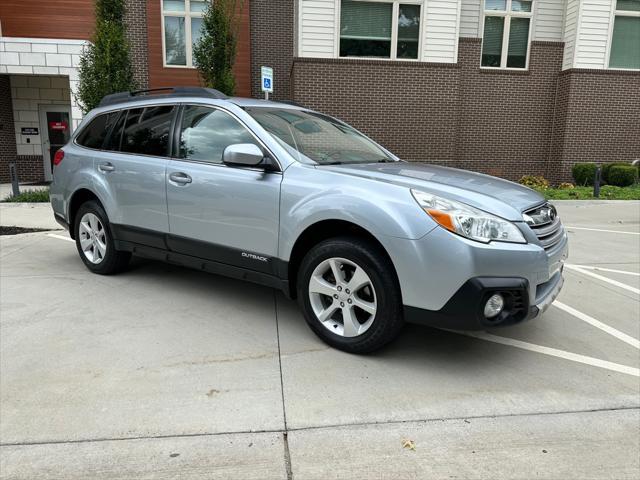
x=165 y=372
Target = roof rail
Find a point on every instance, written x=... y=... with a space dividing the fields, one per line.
x=170 y=92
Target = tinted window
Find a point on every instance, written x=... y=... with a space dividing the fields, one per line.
x=116 y=135
x=93 y=135
x=206 y=132
x=147 y=130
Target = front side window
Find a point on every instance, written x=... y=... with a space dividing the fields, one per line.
x=625 y=39
x=380 y=29
x=182 y=25
x=505 y=42
x=207 y=131
x=146 y=130
x=318 y=137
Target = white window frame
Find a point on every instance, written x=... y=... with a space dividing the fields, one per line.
x=187 y=15
x=618 y=13
x=394 y=29
x=508 y=15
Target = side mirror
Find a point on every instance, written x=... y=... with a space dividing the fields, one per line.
x=246 y=154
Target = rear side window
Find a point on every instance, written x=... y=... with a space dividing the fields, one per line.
x=94 y=134
x=146 y=130
x=206 y=132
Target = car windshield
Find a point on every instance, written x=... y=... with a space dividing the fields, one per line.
x=318 y=137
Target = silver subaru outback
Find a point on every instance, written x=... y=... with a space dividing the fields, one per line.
x=283 y=196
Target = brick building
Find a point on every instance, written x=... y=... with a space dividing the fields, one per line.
x=508 y=87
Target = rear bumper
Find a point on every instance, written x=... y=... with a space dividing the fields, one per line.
x=464 y=310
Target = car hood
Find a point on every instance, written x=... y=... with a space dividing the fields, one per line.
x=494 y=195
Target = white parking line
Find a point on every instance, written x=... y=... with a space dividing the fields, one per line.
x=601 y=269
x=598 y=324
x=604 y=279
x=60 y=237
x=574 y=357
x=602 y=230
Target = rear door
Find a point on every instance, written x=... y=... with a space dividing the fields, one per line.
x=133 y=167
x=219 y=212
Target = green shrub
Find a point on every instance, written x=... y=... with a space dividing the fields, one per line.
x=30 y=196
x=566 y=186
x=606 y=167
x=105 y=64
x=535 y=182
x=584 y=173
x=622 y=175
x=214 y=54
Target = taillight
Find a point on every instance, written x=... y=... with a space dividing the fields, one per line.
x=57 y=158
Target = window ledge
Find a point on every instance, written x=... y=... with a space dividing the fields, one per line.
x=505 y=71
x=374 y=61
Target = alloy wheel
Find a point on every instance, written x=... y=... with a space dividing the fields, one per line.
x=342 y=297
x=93 y=238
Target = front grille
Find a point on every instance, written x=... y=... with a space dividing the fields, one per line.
x=546 y=224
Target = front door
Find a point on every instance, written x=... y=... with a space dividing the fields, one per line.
x=55 y=125
x=219 y=212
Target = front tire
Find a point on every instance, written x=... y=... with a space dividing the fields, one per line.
x=349 y=294
x=94 y=240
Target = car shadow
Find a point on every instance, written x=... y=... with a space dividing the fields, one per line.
x=415 y=344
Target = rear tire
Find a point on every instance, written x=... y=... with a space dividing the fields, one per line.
x=94 y=240
x=349 y=294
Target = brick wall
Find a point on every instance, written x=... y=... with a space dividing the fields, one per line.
x=597 y=119
x=272 y=27
x=506 y=117
x=135 y=20
x=7 y=135
x=410 y=108
x=457 y=115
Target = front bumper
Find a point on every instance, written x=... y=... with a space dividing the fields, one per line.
x=465 y=309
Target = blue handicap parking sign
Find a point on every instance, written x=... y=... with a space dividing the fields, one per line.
x=267 y=83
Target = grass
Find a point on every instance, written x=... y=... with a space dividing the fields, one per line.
x=607 y=192
x=31 y=196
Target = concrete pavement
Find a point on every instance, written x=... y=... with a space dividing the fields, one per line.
x=111 y=377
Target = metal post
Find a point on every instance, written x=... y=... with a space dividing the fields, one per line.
x=13 y=174
x=266 y=95
x=596 y=183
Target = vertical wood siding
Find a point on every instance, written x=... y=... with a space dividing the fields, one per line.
x=161 y=76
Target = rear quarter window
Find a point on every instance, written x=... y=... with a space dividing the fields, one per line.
x=94 y=134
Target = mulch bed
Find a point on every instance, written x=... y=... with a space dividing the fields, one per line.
x=17 y=230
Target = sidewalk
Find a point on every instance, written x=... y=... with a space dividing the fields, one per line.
x=28 y=215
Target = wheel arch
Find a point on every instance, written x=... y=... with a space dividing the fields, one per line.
x=80 y=196
x=324 y=230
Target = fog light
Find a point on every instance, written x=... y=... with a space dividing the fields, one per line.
x=494 y=306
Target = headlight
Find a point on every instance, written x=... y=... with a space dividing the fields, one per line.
x=467 y=221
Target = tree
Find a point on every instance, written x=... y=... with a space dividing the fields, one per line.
x=105 y=65
x=214 y=54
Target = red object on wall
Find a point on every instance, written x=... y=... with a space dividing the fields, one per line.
x=58 y=125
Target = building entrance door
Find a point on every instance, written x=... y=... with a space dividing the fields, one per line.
x=55 y=125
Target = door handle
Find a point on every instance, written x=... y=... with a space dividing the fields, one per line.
x=180 y=178
x=106 y=167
